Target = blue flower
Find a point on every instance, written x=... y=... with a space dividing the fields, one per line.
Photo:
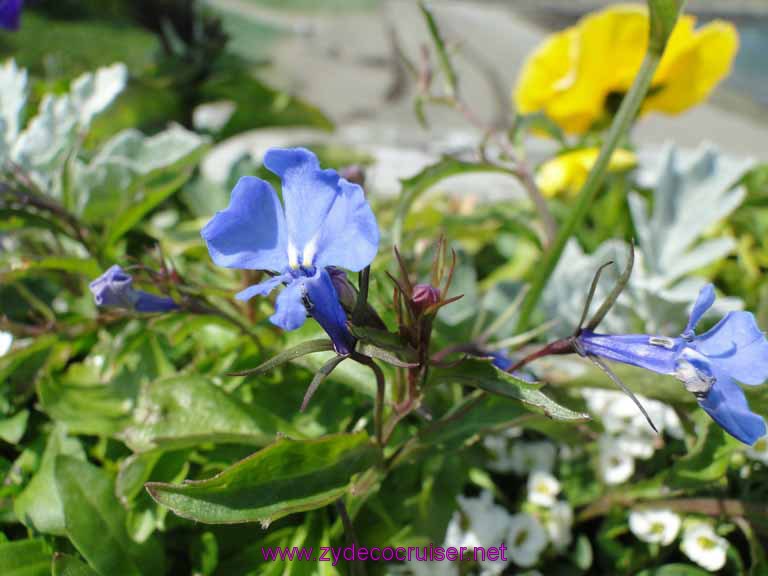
x=114 y=289
x=10 y=12
x=327 y=222
x=708 y=364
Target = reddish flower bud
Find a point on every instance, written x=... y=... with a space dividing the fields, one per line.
x=424 y=296
x=353 y=173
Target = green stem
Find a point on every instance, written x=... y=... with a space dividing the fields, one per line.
x=630 y=105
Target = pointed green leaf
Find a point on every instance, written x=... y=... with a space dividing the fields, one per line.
x=39 y=506
x=483 y=375
x=384 y=355
x=187 y=410
x=664 y=14
x=95 y=522
x=13 y=428
x=287 y=477
x=309 y=347
x=24 y=558
x=65 y=565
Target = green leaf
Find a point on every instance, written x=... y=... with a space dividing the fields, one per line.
x=13 y=428
x=674 y=570
x=664 y=14
x=287 y=477
x=309 y=347
x=188 y=410
x=476 y=414
x=39 y=506
x=25 y=558
x=65 y=565
x=258 y=105
x=383 y=355
x=153 y=195
x=446 y=66
x=86 y=409
x=707 y=461
x=88 y=267
x=483 y=375
x=415 y=186
x=95 y=522
x=132 y=174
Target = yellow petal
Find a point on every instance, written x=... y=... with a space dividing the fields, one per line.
x=567 y=172
x=547 y=66
x=697 y=69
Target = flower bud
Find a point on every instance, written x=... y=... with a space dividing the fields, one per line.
x=114 y=289
x=353 y=173
x=344 y=289
x=424 y=296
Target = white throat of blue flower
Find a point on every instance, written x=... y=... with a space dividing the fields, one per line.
x=693 y=370
x=305 y=258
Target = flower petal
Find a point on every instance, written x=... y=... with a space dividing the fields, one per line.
x=113 y=289
x=326 y=309
x=698 y=66
x=308 y=192
x=290 y=313
x=350 y=235
x=10 y=12
x=738 y=347
x=250 y=233
x=262 y=288
x=703 y=303
x=727 y=406
x=652 y=353
x=146 y=302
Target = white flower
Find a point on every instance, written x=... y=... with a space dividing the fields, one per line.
x=654 y=526
x=616 y=465
x=526 y=540
x=520 y=457
x=558 y=523
x=543 y=489
x=759 y=450
x=530 y=456
x=212 y=116
x=703 y=546
x=485 y=524
x=638 y=444
x=444 y=568
x=620 y=415
x=6 y=339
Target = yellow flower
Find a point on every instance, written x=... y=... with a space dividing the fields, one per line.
x=567 y=172
x=571 y=75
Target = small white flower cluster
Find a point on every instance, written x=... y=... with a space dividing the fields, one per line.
x=699 y=541
x=759 y=450
x=481 y=522
x=6 y=340
x=556 y=515
x=508 y=454
x=627 y=435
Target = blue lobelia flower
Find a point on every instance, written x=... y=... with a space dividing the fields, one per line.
x=114 y=289
x=707 y=364
x=10 y=12
x=327 y=222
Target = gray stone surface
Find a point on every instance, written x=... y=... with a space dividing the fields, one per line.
x=346 y=63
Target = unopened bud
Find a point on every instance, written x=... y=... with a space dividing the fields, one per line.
x=344 y=289
x=354 y=173
x=424 y=296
